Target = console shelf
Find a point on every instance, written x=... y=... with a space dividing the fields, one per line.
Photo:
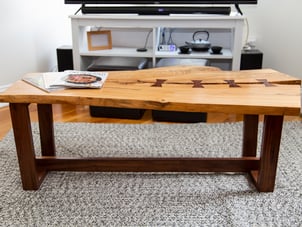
x=120 y=52
x=225 y=54
x=130 y=32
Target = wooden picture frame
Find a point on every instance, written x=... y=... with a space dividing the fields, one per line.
x=99 y=40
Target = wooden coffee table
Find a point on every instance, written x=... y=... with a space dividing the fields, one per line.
x=193 y=89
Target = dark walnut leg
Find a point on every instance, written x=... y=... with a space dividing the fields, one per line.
x=46 y=129
x=265 y=177
x=250 y=135
x=30 y=175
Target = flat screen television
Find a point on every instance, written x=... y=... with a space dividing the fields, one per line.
x=159 y=7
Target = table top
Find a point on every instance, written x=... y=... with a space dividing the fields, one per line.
x=179 y=88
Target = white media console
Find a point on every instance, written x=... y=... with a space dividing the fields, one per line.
x=129 y=32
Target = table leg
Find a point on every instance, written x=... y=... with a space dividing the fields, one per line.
x=30 y=175
x=250 y=135
x=46 y=130
x=272 y=130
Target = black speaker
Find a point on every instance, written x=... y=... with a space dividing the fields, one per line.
x=64 y=58
x=251 y=59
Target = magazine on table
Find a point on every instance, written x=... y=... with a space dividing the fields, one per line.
x=52 y=81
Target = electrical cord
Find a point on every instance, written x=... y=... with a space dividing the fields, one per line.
x=238 y=8
x=78 y=11
x=146 y=41
x=170 y=40
x=163 y=38
x=246 y=45
x=247 y=30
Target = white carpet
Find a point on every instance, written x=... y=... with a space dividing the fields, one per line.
x=138 y=199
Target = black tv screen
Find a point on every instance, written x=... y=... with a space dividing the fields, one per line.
x=156 y=2
x=159 y=7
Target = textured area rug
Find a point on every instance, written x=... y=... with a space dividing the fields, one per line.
x=152 y=199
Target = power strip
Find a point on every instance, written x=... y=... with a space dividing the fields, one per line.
x=169 y=48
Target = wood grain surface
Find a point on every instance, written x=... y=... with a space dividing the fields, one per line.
x=263 y=91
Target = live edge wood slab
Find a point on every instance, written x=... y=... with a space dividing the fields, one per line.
x=179 y=88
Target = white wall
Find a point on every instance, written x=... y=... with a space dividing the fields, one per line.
x=277 y=27
x=31 y=31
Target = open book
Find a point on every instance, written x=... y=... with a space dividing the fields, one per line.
x=51 y=81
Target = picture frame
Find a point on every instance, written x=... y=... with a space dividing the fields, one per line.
x=99 y=40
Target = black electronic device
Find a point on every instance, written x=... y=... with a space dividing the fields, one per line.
x=251 y=59
x=141 y=49
x=113 y=64
x=159 y=7
x=64 y=58
x=157 y=10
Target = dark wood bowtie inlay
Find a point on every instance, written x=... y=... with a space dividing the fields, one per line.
x=232 y=83
x=158 y=83
x=266 y=83
x=197 y=83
